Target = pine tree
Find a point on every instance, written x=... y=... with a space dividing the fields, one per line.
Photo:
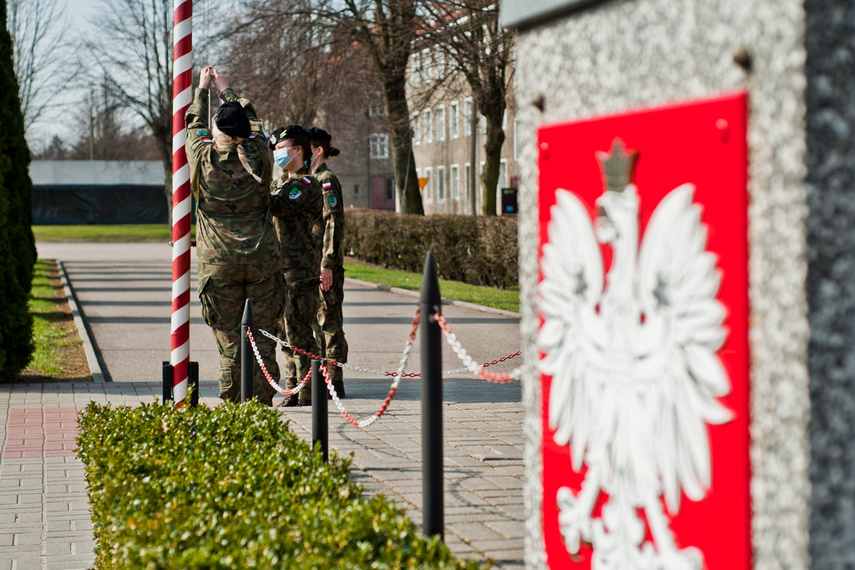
x=17 y=246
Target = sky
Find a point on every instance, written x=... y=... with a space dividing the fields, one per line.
x=80 y=14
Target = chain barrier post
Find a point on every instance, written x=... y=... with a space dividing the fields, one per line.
x=432 y=471
x=167 y=381
x=194 y=383
x=320 y=418
x=247 y=370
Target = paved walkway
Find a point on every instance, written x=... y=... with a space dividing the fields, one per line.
x=123 y=293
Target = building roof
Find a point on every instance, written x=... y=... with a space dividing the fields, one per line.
x=96 y=172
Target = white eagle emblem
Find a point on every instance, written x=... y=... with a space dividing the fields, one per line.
x=634 y=365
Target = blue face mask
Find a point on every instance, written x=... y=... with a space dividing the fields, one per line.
x=280 y=155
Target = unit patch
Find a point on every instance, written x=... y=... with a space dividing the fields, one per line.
x=332 y=201
x=295 y=193
x=201 y=132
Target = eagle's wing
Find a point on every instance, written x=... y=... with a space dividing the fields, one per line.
x=682 y=332
x=572 y=284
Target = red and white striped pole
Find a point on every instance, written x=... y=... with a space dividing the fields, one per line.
x=182 y=96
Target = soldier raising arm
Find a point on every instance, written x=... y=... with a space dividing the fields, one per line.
x=236 y=241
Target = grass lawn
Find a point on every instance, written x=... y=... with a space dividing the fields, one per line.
x=507 y=299
x=106 y=233
x=58 y=354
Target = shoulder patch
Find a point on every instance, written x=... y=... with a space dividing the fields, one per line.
x=327 y=185
x=332 y=201
x=306 y=180
x=201 y=132
x=207 y=140
x=294 y=193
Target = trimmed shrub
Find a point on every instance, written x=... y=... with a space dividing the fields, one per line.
x=17 y=246
x=233 y=487
x=480 y=249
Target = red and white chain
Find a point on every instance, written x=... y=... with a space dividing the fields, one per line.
x=270 y=380
x=471 y=365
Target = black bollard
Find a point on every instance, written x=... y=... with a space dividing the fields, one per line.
x=193 y=373
x=320 y=419
x=247 y=370
x=167 y=381
x=432 y=472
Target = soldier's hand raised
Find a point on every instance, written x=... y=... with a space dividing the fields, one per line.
x=220 y=81
x=205 y=77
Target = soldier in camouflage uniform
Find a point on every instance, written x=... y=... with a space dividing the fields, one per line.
x=329 y=325
x=296 y=201
x=236 y=240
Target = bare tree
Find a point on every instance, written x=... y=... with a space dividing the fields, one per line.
x=471 y=42
x=281 y=62
x=132 y=55
x=385 y=29
x=38 y=30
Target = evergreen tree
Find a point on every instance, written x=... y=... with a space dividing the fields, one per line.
x=17 y=246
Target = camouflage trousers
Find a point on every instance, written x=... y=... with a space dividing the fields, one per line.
x=329 y=325
x=301 y=306
x=223 y=290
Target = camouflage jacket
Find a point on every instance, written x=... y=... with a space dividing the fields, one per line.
x=329 y=235
x=234 y=224
x=296 y=202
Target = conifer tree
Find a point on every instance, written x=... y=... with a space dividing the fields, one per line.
x=17 y=246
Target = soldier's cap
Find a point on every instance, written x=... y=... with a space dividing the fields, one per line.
x=232 y=120
x=285 y=133
x=317 y=135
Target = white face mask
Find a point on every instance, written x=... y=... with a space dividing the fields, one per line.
x=280 y=155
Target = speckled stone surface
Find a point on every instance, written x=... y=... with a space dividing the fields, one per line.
x=830 y=69
x=629 y=54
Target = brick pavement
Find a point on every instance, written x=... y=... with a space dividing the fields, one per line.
x=44 y=519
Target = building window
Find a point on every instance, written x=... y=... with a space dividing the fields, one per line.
x=482 y=125
x=439 y=59
x=379 y=145
x=356 y=189
x=467 y=117
x=455 y=182
x=428 y=193
x=505 y=120
x=440 y=184
x=415 y=69
x=453 y=121
x=416 y=136
x=428 y=126
x=440 y=123
x=503 y=174
x=516 y=139
x=390 y=189
x=427 y=69
x=466 y=182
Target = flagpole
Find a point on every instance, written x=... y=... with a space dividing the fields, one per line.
x=182 y=96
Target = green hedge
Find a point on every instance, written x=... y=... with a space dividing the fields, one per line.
x=17 y=247
x=479 y=249
x=233 y=487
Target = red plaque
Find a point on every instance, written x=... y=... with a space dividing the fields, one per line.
x=643 y=301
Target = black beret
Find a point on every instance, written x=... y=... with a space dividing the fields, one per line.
x=285 y=133
x=319 y=135
x=232 y=120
